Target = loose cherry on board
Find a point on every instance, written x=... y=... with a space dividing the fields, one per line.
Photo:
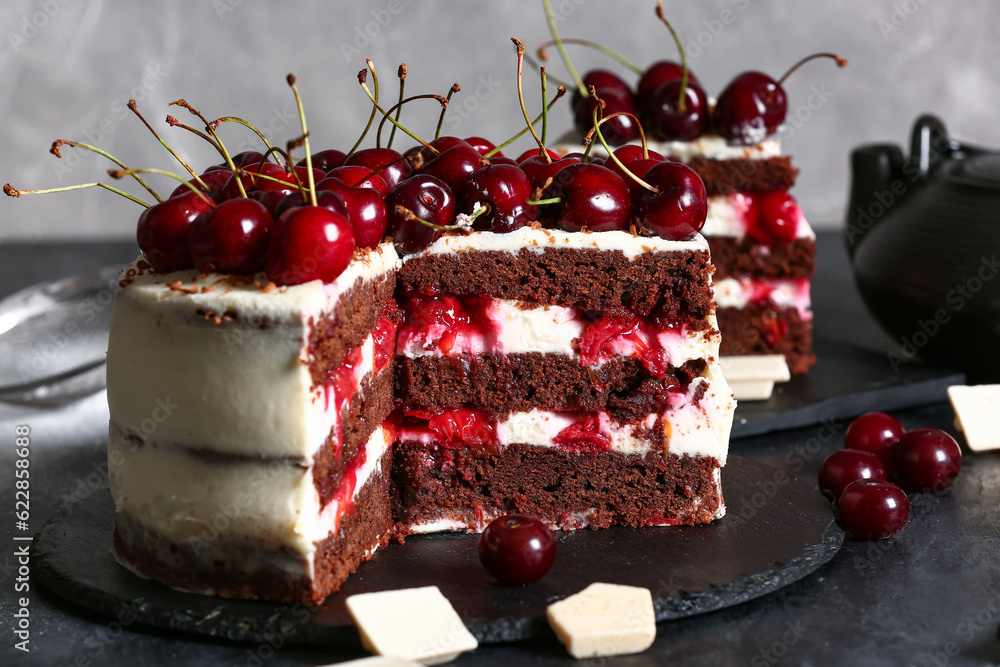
x=845 y=466
x=164 y=229
x=678 y=209
x=309 y=243
x=926 y=460
x=871 y=509
x=875 y=432
x=517 y=549
x=231 y=238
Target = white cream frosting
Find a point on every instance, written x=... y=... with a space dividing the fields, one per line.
x=710 y=146
x=537 y=240
x=727 y=216
x=240 y=386
x=197 y=501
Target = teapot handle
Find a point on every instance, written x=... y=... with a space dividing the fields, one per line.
x=929 y=142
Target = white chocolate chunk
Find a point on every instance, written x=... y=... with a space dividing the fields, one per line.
x=375 y=661
x=977 y=414
x=604 y=620
x=412 y=623
x=752 y=390
x=755 y=367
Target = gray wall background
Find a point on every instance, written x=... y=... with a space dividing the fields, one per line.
x=67 y=68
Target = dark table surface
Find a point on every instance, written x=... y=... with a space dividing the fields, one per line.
x=930 y=596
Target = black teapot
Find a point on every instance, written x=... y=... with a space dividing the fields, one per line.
x=924 y=237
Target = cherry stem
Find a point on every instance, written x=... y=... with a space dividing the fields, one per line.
x=215 y=135
x=255 y=175
x=11 y=191
x=276 y=151
x=841 y=62
x=562 y=50
x=361 y=80
x=455 y=88
x=305 y=138
x=401 y=73
x=638 y=124
x=545 y=110
x=120 y=173
x=475 y=214
x=362 y=77
x=443 y=101
x=173 y=122
x=559 y=93
x=76 y=144
x=681 y=102
x=135 y=109
x=235 y=119
x=543 y=202
x=543 y=56
x=520 y=98
x=611 y=153
x=410 y=216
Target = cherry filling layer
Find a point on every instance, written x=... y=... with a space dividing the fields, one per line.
x=773 y=292
x=450 y=325
x=768 y=217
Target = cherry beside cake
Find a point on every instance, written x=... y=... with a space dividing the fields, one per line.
x=370 y=344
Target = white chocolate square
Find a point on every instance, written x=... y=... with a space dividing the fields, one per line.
x=412 y=623
x=752 y=367
x=604 y=620
x=977 y=414
x=751 y=390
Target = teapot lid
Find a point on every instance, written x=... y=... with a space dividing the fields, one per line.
x=981 y=171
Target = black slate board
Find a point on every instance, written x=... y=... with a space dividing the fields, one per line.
x=845 y=382
x=777 y=530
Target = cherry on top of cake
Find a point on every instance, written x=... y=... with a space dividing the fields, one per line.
x=306 y=221
x=671 y=102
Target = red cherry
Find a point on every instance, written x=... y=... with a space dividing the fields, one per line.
x=616 y=131
x=605 y=83
x=484 y=146
x=215 y=180
x=875 y=432
x=429 y=199
x=454 y=165
x=324 y=199
x=309 y=243
x=325 y=160
x=678 y=209
x=441 y=144
x=231 y=238
x=750 y=108
x=926 y=460
x=365 y=209
x=668 y=122
x=358 y=176
x=535 y=152
x=505 y=189
x=873 y=510
x=517 y=549
x=626 y=155
x=593 y=197
x=164 y=228
x=502 y=160
x=231 y=191
x=845 y=466
x=270 y=199
x=389 y=165
x=538 y=170
x=655 y=76
x=242 y=160
x=777 y=219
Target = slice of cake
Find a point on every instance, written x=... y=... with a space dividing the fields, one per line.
x=570 y=376
x=763 y=249
x=246 y=452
